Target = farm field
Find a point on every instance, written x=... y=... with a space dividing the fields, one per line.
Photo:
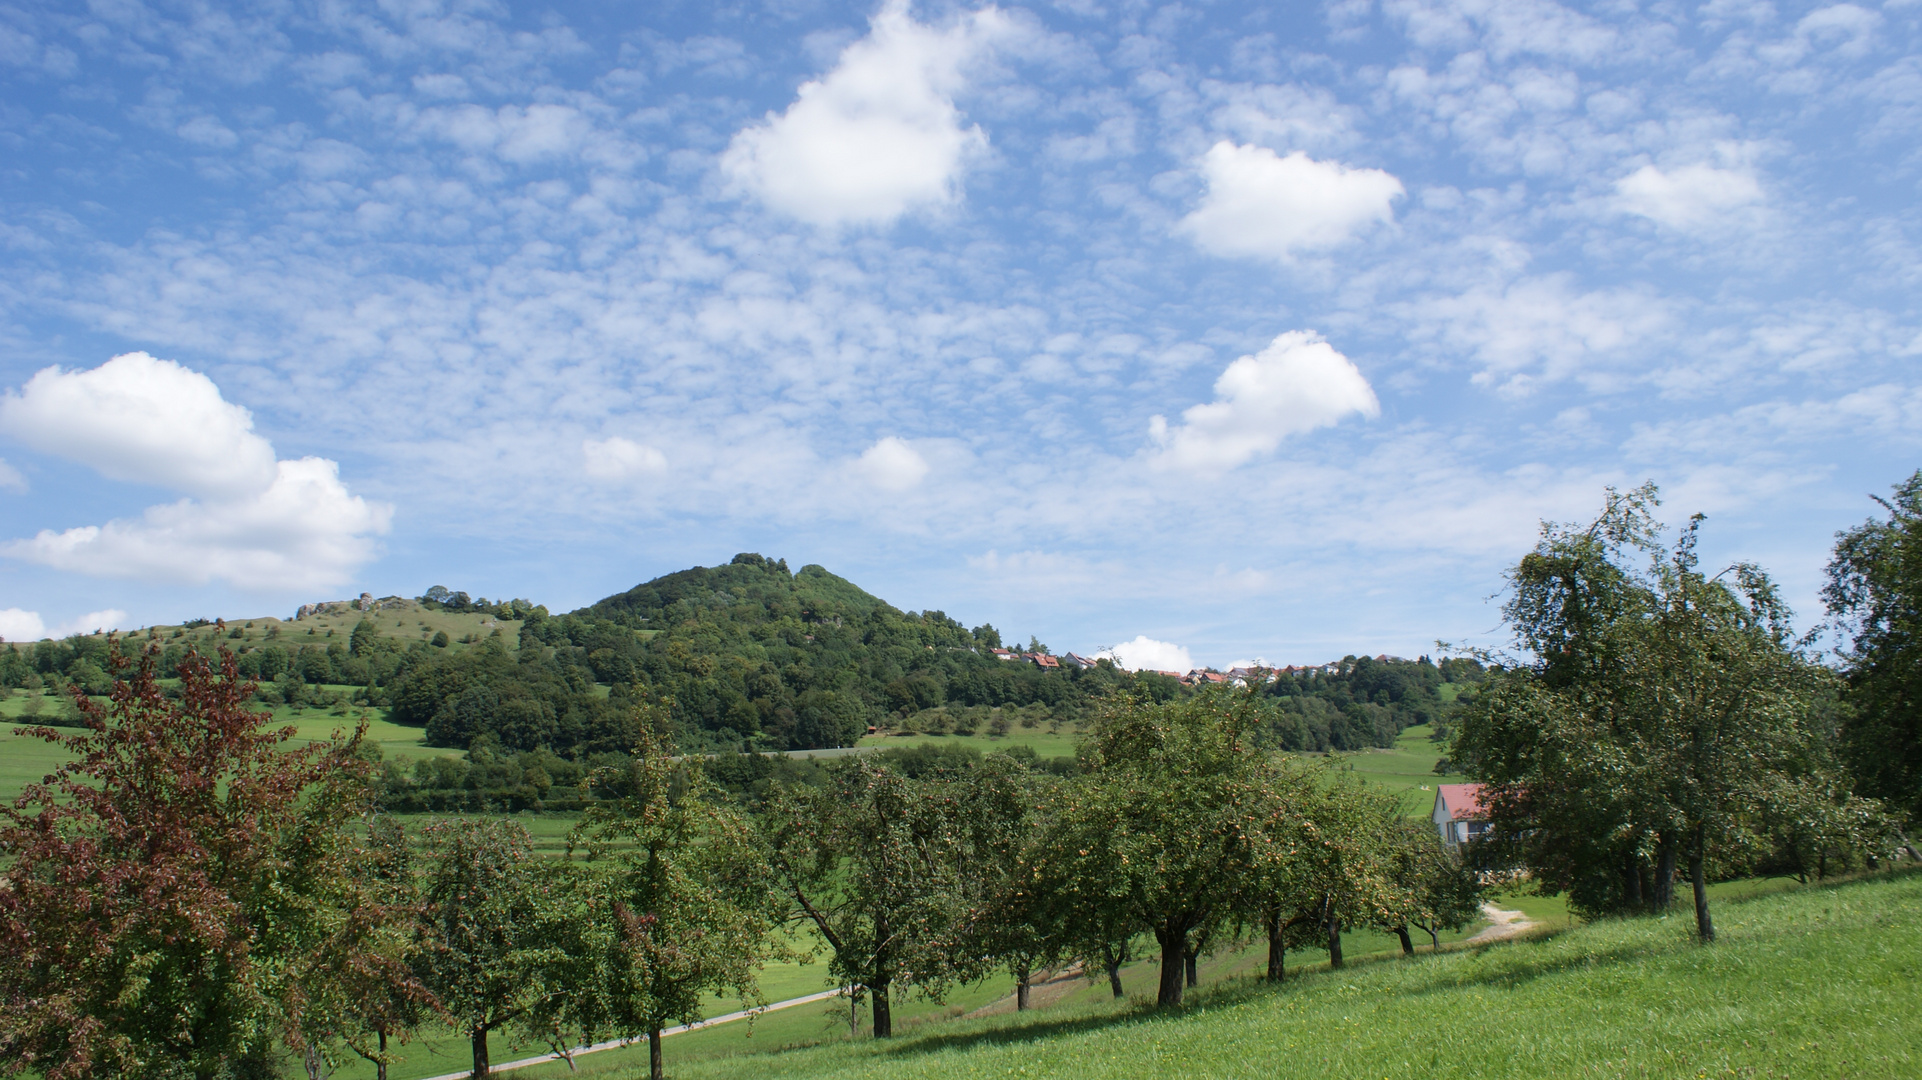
x=1043 y=742
x=1810 y=981
x=1409 y=768
x=26 y=760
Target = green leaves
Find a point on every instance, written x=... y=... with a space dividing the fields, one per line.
x=1663 y=712
x=689 y=900
x=166 y=890
x=1874 y=593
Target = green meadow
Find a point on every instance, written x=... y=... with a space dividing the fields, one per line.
x=25 y=760
x=1818 y=981
x=827 y=1022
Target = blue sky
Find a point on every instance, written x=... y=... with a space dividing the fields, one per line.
x=1245 y=329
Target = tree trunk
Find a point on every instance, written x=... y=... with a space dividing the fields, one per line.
x=380 y=1067
x=1632 y=882
x=654 y=1070
x=1277 y=948
x=1021 y=988
x=1334 y=940
x=1434 y=939
x=1114 y=958
x=1665 y=875
x=1174 y=949
x=1189 y=961
x=316 y=1068
x=1407 y=944
x=1697 y=869
x=883 y=1021
x=479 y=1038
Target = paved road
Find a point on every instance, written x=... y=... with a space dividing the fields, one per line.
x=615 y=1044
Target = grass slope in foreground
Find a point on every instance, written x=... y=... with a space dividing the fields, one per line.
x=1819 y=982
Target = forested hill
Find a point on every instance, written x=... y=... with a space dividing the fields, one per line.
x=750 y=652
x=744 y=656
x=810 y=595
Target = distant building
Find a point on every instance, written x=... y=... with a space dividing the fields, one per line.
x=1076 y=660
x=1459 y=812
x=1045 y=662
x=1004 y=654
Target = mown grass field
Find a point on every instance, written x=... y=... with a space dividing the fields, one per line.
x=1823 y=981
x=1040 y=739
x=1409 y=769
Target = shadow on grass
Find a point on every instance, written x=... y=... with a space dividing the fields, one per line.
x=1197 y=1000
x=1520 y=971
x=1526 y=969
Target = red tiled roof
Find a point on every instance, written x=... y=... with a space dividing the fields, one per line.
x=1464 y=801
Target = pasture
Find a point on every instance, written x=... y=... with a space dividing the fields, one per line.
x=1816 y=980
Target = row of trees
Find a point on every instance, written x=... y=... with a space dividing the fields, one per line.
x=1664 y=722
x=189 y=898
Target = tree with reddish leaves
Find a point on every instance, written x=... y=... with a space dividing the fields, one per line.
x=165 y=892
x=361 y=994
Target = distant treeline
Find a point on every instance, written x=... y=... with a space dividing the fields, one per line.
x=747 y=656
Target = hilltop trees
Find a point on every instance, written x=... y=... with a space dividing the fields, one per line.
x=166 y=890
x=1664 y=712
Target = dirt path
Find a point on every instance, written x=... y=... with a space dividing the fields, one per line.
x=1503 y=925
x=616 y=1044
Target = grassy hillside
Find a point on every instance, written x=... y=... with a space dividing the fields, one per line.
x=1821 y=981
x=823 y=1023
x=24 y=760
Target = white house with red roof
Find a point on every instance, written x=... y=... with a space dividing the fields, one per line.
x=1459 y=812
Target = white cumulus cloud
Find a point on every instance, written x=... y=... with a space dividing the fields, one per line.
x=18 y=625
x=892 y=465
x=145 y=420
x=1298 y=383
x=876 y=137
x=249 y=520
x=1688 y=197
x=615 y=458
x=304 y=532
x=10 y=478
x=1266 y=206
x=1146 y=654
